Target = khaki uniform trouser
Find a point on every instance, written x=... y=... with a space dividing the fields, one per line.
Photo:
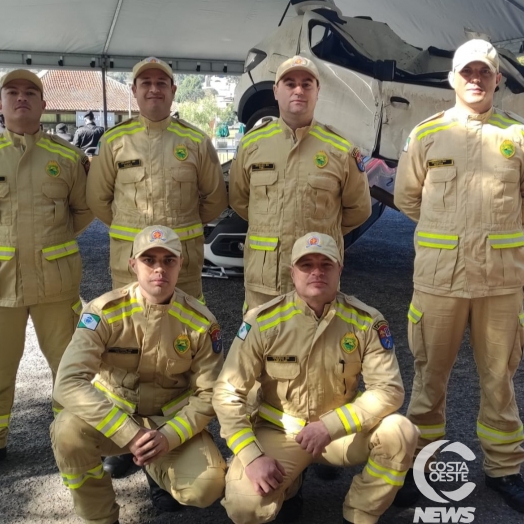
x=191 y=288
x=193 y=473
x=497 y=338
x=389 y=446
x=54 y=324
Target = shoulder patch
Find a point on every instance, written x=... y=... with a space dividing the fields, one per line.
x=89 y=321
x=216 y=338
x=384 y=334
x=243 y=330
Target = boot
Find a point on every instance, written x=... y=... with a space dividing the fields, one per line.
x=119 y=465
x=160 y=498
x=511 y=487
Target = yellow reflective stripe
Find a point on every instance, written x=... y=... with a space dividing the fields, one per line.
x=185 y=132
x=509 y=240
x=188 y=317
x=240 y=440
x=263 y=243
x=57 y=411
x=349 y=419
x=521 y=319
x=432 y=431
x=66 y=150
x=266 y=132
x=4 y=420
x=7 y=253
x=53 y=147
x=128 y=406
x=126 y=129
x=112 y=422
x=189 y=232
x=77 y=307
x=2 y=145
x=351 y=316
x=330 y=138
x=436 y=240
x=391 y=476
x=177 y=404
x=501 y=437
x=76 y=481
x=182 y=428
x=502 y=121
x=288 y=422
x=122 y=310
x=60 y=250
x=420 y=136
x=277 y=316
x=414 y=314
x=123 y=233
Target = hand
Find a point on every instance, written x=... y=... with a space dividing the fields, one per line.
x=147 y=446
x=314 y=438
x=266 y=474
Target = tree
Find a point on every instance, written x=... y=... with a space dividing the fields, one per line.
x=190 y=89
x=121 y=76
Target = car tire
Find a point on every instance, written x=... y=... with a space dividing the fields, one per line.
x=261 y=113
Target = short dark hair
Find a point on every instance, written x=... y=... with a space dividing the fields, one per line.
x=90 y=115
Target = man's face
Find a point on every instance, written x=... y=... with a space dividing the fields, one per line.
x=316 y=277
x=297 y=95
x=22 y=105
x=475 y=86
x=154 y=94
x=157 y=273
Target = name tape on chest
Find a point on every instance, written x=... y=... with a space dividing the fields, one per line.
x=124 y=351
x=281 y=358
x=129 y=163
x=263 y=166
x=441 y=162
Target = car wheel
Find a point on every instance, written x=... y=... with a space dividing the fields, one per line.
x=259 y=114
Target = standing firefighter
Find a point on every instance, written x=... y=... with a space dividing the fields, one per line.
x=292 y=176
x=460 y=178
x=42 y=210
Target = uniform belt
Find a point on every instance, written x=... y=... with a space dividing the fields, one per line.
x=288 y=423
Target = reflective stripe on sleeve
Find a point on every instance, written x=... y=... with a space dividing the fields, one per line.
x=182 y=428
x=351 y=316
x=240 y=440
x=112 y=422
x=500 y=437
x=189 y=317
x=57 y=411
x=391 y=476
x=287 y=422
x=4 y=142
x=123 y=232
x=414 y=314
x=7 y=253
x=349 y=419
x=521 y=319
x=122 y=310
x=4 y=420
x=126 y=405
x=277 y=316
x=60 y=250
x=433 y=431
x=437 y=240
x=177 y=404
x=331 y=138
x=508 y=240
x=263 y=243
x=77 y=307
x=189 y=232
x=76 y=481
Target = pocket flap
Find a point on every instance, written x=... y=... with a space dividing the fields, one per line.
x=265 y=178
x=322 y=182
x=507 y=174
x=55 y=190
x=4 y=189
x=442 y=174
x=185 y=174
x=130 y=175
x=283 y=370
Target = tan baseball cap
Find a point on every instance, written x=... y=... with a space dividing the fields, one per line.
x=157 y=236
x=476 y=51
x=151 y=63
x=315 y=243
x=22 y=74
x=297 y=63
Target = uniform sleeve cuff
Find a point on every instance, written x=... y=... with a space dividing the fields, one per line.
x=334 y=425
x=126 y=433
x=251 y=452
x=172 y=436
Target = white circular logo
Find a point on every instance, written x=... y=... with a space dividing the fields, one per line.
x=444 y=471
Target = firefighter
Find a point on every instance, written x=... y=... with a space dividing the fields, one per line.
x=460 y=179
x=308 y=349
x=42 y=210
x=137 y=378
x=292 y=176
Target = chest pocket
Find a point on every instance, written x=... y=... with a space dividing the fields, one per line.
x=55 y=202
x=506 y=191
x=133 y=187
x=441 y=190
x=264 y=192
x=183 y=190
x=347 y=372
x=5 y=204
x=322 y=196
x=282 y=374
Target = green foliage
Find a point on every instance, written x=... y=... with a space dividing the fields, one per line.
x=121 y=76
x=190 y=89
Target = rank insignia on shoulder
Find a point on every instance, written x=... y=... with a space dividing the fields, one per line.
x=507 y=148
x=357 y=155
x=349 y=342
x=321 y=159
x=89 y=321
x=243 y=331
x=53 y=169
x=384 y=334
x=181 y=152
x=182 y=343
x=129 y=163
x=216 y=338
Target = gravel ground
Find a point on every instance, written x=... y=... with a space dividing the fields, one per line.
x=378 y=271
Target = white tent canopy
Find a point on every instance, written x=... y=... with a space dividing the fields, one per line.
x=116 y=33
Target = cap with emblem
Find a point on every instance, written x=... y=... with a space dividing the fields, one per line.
x=152 y=63
x=315 y=243
x=297 y=63
x=476 y=51
x=22 y=74
x=157 y=236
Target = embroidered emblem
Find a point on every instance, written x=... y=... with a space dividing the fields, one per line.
x=157 y=234
x=299 y=61
x=181 y=152
x=507 y=148
x=357 y=155
x=216 y=338
x=89 y=321
x=243 y=331
x=313 y=242
x=52 y=169
x=321 y=159
x=182 y=343
x=349 y=342
x=384 y=334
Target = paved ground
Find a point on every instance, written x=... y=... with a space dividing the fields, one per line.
x=378 y=271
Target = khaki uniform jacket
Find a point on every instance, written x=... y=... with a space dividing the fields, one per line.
x=42 y=209
x=131 y=357
x=460 y=178
x=164 y=173
x=309 y=369
x=286 y=185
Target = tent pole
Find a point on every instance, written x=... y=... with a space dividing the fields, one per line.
x=104 y=95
